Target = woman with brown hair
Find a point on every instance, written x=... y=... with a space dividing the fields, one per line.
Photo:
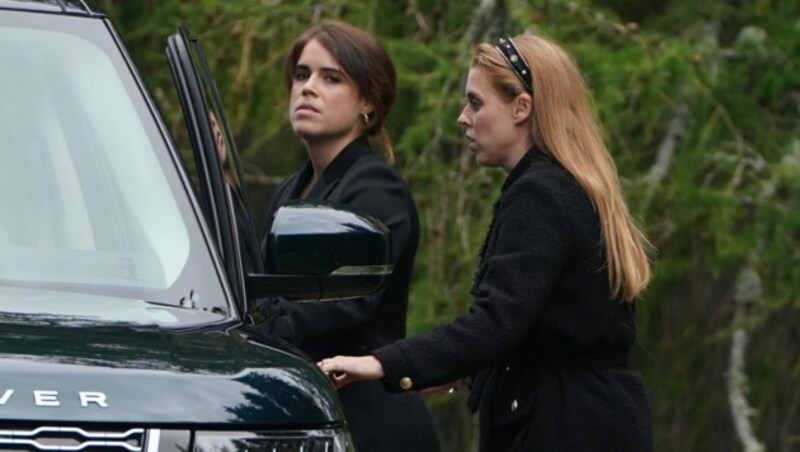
x=549 y=333
x=341 y=87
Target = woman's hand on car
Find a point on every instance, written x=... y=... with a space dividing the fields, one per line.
x=344 y=370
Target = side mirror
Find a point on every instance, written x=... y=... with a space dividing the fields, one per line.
x=320 y=251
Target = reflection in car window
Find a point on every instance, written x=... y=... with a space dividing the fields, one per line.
x=82 y=183
x=84 y=198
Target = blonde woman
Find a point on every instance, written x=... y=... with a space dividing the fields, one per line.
x=548 y=335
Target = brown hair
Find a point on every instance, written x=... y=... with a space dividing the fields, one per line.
x=564 y=126
x=365 y=61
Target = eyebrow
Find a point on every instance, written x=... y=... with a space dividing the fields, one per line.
x=322 y=69
x=333 y=70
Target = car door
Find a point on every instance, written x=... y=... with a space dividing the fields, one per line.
x=213 y=164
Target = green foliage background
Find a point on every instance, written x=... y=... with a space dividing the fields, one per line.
x=700 y=101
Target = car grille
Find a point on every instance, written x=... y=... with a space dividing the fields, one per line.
x=72 y=439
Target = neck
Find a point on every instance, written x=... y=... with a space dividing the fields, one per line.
x=517 y=150
x=321 y=152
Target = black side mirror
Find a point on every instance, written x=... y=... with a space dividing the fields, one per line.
x=321 y=251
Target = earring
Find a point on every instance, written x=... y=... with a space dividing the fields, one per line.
x=365 y=117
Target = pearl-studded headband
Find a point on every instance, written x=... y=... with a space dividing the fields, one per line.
x=514 y=58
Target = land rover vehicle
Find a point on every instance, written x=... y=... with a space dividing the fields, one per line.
x=128 y=268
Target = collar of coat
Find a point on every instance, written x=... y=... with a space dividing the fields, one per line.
x=533 y=155
x=345 y=159
x=336 y=169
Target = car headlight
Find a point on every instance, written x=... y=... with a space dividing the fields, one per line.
x=324 y=440
x=328 y=440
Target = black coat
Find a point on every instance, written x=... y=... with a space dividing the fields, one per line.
x=379 y=420
x=544 y=341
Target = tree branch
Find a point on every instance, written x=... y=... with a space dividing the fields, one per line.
x=747 y=292
x=490 y=19
x=666 y=149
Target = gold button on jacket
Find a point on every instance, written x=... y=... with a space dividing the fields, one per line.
x=406 y=383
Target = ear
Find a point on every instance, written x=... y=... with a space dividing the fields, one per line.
x=523 y=108
x=367 y=107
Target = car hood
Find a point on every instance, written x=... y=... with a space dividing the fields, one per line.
x=120 y=373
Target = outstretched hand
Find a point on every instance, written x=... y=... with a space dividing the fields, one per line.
x=347 y=369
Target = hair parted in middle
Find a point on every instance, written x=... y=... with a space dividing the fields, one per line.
x=564 y=127
x=364 y=61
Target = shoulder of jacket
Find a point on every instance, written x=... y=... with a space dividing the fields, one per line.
x=370 y=160
x=546 y=176
x=551 y=185
x=371 y=165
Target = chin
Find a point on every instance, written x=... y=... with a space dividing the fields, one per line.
x=483 y=160
x=304 y=131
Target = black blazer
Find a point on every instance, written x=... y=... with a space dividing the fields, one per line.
x=360 y=179
x=544 y=341
x=380 y=421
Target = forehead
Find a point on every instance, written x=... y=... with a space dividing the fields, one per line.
x=478 y=82
x=315 y=55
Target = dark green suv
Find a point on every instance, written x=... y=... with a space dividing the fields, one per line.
x=128 y=268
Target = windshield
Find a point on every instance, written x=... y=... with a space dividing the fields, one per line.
x=90 y=200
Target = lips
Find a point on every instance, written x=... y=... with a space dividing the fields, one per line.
x=471 y=144
x=305 y=108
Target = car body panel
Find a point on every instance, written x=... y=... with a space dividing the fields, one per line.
x=145 y=376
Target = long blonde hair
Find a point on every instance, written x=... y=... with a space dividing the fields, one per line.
x=564 y=126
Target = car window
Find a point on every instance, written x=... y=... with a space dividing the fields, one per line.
x=89 y=198
x=83 y=181
x=214 y=162
x=231 y=165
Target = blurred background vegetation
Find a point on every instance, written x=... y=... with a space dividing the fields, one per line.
x=700 y=101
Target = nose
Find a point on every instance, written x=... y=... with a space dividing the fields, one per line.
x=309 y=85
x=463 y=119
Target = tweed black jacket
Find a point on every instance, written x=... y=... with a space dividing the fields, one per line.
x=545 y=342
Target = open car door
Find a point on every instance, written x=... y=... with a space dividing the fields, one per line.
x=217 y=174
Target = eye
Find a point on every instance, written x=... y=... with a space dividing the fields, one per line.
x=474 y=104
x=332 y=77
x=300 y=74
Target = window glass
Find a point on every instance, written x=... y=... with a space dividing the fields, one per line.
x=90 y=199
x=81 y=182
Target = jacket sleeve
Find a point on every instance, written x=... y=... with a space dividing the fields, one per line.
x=532 y=245
x=375 y=189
